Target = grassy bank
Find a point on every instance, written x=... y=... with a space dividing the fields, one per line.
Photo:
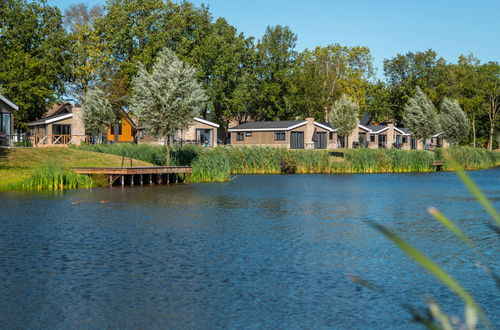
x=217 y=164
x=35 y=168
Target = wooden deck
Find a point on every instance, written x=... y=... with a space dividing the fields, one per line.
x=139 y=175
x=133 y=170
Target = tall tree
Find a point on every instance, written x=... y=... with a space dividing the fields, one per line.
x=276 y=63
x=167 y=98
x=453 y=121
x=378 y=102
x=467 y=89
x=420 y=116
x=98 y=114
x=490 y=78
x=328 y=72
x=344 y=116
x=33 y=56
x=405 y=72
x=225 y=62
x=80 y=14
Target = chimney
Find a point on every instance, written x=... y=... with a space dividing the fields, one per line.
x=309 y=134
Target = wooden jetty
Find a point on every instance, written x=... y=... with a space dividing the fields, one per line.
x=139 y=175
x=438 y=164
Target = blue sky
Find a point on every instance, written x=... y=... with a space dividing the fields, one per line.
x=390 y=27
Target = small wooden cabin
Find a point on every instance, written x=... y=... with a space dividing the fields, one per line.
x=199 y=132
x=126 y=128
x=292 y=134
x=60 y=126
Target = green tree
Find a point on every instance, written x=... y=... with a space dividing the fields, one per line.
x=420 y=116
x=467 y=89
x=490 y=84
x=453 y=121
x=424 y=69
x=33 y=56
x=98 y=114
x=225 y=62
x=275 y=67
x=326 y=73
x=344 y=116
x=167 y=98
x=378 y=102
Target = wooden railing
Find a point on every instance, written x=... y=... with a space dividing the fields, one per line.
x=58 y=140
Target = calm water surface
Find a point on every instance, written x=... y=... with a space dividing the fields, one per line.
x=256 y=252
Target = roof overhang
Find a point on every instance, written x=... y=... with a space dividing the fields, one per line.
x=9 y=102
x=324 y=127
x=380 y=131
x=51 y=120
x=209 y=123
x=364 y=127
x=437 y=135
x=272 y=129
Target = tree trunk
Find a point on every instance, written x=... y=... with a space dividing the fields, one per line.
x=166 y=142
x=490 y=138
x=473 y=130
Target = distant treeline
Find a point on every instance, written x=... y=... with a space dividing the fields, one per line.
x=46 y=55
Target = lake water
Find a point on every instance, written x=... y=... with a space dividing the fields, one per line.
x=256 y=252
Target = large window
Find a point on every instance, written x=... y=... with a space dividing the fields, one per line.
x=279 y=136
x=405 y=139
x=240 y=136
x=372 y=137
x=5 y=123
x=61 y=129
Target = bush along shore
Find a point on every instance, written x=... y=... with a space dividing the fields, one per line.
x=218 y=164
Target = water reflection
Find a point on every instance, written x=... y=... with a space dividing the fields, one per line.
x=260 y=251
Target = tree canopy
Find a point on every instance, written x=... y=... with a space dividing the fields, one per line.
x=420 y=116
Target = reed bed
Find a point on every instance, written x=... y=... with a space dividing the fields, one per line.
x=217 y=164
x=53 y=176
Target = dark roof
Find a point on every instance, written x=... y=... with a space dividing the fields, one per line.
x=57 y=108
x=376 y=128
x=366 y=119
x=327 y=125
x=404 y=129
x=269 y=124
x=42 y=121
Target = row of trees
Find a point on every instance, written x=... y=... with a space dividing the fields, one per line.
x=45 y=55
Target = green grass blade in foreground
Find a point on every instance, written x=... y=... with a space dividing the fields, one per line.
x=433 y=269
x=474 y=189
x=451 y=226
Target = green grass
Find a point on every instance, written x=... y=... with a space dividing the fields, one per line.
x=17 y=165
x=217 y=164
x=54 y=176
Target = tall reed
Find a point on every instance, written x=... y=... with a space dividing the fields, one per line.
x=53 y=176
x=216 y=164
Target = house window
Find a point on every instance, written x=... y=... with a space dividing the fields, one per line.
x=331 y=135
x=5 y=123
x=248 y=134
x=61 y=129
x=120 y=129
x=372 y=137
x=279 y=136
x=240 y=136
x=405 y=139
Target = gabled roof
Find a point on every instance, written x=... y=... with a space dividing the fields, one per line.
x=203 y=121
x=9 y=102
x=402 y=130
x=51 y=119
x=58 y=108
x=285 y=125
x=377 y=128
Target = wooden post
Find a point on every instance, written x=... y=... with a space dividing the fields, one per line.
x=168 y=178
x=151 y=179
x=123 y=180
x=176 y=178
x=142 y=180
x=110 y=180
x=132 y=180
x=160 y=179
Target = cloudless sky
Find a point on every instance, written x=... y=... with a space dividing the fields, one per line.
x=389 y=27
